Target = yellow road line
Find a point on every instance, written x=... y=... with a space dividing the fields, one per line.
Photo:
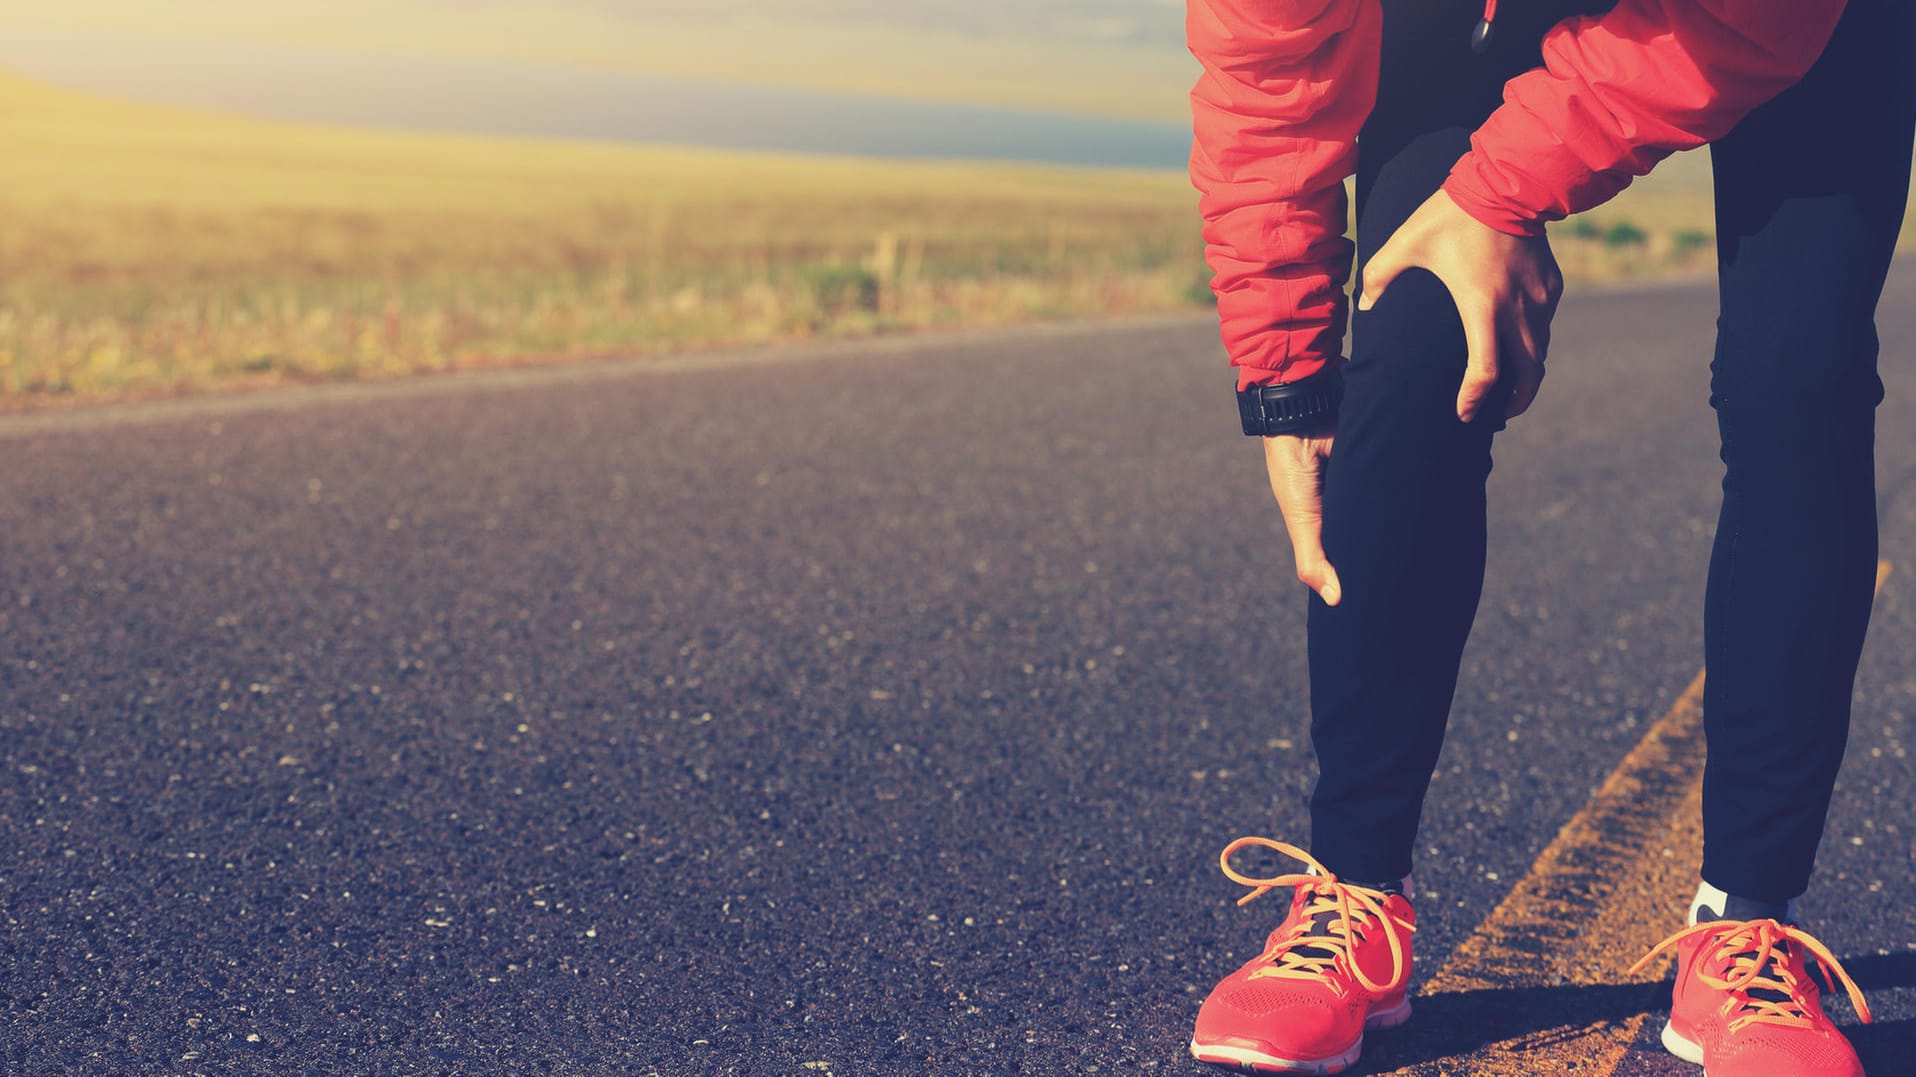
x=1616 y=878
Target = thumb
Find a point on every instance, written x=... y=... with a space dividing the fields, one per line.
x=1330 y=590
x=1314 y=570
x=1317 y=574
x=1379 y=271
x=1296 y=468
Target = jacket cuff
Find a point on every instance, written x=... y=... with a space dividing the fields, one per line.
x=1295 y=369
x=1469 y=193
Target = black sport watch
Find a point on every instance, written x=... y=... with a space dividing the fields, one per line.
x=1292 y=408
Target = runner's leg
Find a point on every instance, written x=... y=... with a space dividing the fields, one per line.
x=1810 y=195
x=1404 y=492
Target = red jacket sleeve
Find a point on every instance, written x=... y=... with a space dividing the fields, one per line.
x=1619 y=92
x=1285 y=87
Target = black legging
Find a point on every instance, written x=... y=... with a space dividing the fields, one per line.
x=1810 y=193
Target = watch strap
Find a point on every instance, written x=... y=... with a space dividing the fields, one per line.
x=1293 y=407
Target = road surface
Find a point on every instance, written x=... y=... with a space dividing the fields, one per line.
x=874 y=708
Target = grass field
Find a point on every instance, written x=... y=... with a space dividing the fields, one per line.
x=147 y=249
x=144 y=247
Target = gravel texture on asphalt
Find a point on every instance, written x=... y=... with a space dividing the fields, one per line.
x=875 y=708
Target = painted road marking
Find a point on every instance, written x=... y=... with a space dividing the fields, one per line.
x=1617 y=878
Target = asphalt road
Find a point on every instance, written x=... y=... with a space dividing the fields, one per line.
x=859 y=709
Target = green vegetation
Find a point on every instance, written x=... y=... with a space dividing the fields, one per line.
x=1688 y=241
x=1625 y=234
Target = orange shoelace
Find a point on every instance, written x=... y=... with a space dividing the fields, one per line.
x=1759 y=961
x=1352 y=906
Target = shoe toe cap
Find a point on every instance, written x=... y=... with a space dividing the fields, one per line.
x=1819 y=1053
x=1277 y=1020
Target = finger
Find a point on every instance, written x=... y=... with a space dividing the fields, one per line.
x=1480 y=373
x=1379 y=271
x=1532 y=327
x=1526 y=381
x=1297 y=483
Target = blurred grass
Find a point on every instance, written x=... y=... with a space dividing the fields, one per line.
x=147 y=249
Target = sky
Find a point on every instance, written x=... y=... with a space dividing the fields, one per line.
x=1141 y=22
x=1110 y=58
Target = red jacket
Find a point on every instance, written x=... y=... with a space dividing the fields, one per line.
x=1288 y=83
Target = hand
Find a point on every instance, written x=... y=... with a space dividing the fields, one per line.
x=1505 y=287
x=1296 y=464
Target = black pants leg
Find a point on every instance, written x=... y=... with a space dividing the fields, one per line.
x=1810 y=195
x=1404 y=492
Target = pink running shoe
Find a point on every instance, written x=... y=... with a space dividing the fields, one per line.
x=1746 y=1004
x=1336 y=967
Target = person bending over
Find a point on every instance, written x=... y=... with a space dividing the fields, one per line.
x=1468 y=130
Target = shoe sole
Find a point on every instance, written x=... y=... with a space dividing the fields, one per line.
x=1254 y=1061
x=1682 y=1046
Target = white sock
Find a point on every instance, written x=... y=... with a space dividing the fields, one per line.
x=1718 y=902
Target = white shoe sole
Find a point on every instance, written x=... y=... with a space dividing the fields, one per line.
x=1682 y=1047
x=1245 y=1058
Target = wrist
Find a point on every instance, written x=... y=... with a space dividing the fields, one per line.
x=1306 y=406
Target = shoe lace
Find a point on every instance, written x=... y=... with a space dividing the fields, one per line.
x=1333 y=916
x=1757 y=976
